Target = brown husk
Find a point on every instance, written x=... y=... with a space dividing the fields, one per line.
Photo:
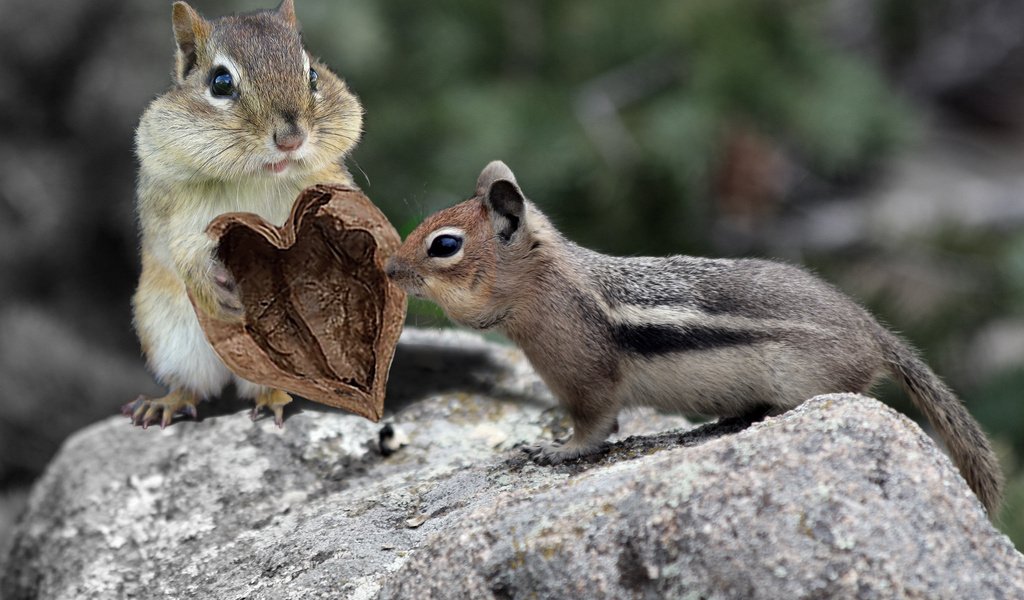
x=321 y=317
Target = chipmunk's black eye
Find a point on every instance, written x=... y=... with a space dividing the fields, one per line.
x=314 y=77
x=222 y=84
x=444 y=246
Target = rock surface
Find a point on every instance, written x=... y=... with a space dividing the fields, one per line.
x=841 y=497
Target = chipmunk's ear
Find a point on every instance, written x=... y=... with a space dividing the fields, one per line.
x=287 y=12
x=503 y=199
x=494 y=171
x=191 y=31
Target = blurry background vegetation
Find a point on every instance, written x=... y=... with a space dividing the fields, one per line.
x=879 y=141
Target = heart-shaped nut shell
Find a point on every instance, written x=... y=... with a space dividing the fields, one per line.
x=321 y=317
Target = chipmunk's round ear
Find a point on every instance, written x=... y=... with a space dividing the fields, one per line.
x=506 y=206
x=286 y=11
x=191 y=31
x=494 y=171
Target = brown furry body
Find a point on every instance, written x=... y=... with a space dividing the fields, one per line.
x=286 y=124
x=693 y=335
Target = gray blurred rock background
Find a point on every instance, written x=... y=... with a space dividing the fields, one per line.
x=881 y=143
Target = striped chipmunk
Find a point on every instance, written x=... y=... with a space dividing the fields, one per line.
x=723 y=337
x=251 y=120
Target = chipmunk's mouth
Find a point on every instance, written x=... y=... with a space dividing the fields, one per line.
x=279 y=166
x=410 y=288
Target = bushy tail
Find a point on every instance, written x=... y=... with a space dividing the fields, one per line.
x=967 y=444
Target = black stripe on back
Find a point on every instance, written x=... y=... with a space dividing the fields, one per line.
x=663 y=339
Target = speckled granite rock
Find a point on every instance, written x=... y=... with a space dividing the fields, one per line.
x=839 y=498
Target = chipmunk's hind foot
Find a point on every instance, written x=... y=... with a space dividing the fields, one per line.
x=556 y=453
x=275 y=400
x=146 y=411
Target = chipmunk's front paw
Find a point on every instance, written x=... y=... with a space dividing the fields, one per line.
x=146 y=411
x=214 y=291
x=556 y=453
x=225 y=293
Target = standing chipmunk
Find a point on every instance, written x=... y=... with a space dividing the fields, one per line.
x=694 y=335
x=251 y=120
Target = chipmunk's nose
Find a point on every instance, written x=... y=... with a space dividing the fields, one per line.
x=289 y=135
x=391 y=268
x=402 y=275
x=289 y=140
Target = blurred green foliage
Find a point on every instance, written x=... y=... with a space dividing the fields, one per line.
x=613 y=114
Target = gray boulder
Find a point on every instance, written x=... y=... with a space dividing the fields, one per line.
x=841 y=497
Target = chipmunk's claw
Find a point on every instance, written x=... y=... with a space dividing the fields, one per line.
x=275 y=400
x=129 y=409
x=166 y=419
x=143 y=412
x=556 y=453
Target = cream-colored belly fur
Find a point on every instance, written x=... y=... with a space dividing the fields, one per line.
x=722 y=382
x=176 y=348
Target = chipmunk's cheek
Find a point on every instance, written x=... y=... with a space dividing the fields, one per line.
x=429 y=289
x=462 y=304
